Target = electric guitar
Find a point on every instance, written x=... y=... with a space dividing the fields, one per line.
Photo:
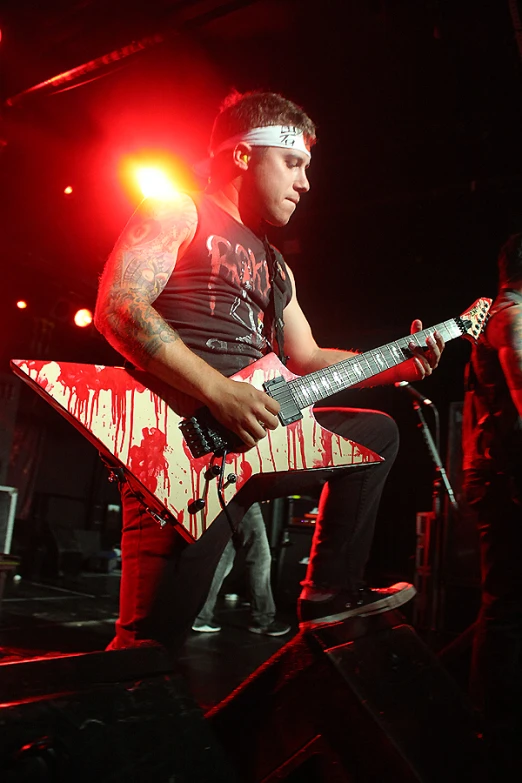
x=176 y=456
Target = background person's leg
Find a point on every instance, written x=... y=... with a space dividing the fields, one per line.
x=258 y=562
x=205 y=621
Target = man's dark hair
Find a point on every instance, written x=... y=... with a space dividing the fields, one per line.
x=256 y=109
x=510 y=261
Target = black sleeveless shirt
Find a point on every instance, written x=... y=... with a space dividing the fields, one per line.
x=218 y=294
x=491 y=427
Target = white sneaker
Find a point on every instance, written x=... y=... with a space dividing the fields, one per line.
x=203 y=627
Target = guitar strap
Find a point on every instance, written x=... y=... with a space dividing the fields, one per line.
x=274 y=324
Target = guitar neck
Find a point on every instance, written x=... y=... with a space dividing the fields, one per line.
x=310 y=389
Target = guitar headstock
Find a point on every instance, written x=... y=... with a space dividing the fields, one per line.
x=473 y=320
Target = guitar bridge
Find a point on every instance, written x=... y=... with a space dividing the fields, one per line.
x=279 y=390
x=204 y=435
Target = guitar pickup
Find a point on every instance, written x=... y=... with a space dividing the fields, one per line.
x=279 y=390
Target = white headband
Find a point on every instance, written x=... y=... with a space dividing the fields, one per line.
x=287 y=136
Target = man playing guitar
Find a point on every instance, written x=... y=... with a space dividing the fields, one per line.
x=187 y=296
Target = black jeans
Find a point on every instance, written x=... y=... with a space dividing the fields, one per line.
x=496 y=672
x=349 y=503
x=165 y=581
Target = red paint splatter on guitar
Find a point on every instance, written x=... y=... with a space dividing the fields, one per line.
x=134 y=419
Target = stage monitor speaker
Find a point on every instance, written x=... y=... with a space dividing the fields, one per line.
x=121 y=716
x=354 y=702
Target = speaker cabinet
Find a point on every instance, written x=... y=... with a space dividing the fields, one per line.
x=293 y=563
x=9 y=397
x=460 y=577
x=461 y=545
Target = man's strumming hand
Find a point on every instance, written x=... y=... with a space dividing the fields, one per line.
x=244 y=409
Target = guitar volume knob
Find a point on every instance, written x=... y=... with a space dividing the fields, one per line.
x=196 y=505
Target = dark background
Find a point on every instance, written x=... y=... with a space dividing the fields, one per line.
x=416 y=181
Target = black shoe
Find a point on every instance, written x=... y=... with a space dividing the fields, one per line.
x=360 y=603
x=275 y=628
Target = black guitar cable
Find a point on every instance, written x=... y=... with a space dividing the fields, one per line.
x=237 y=534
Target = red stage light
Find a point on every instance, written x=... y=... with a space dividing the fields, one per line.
x=155 y=183
x=68 y=190
x=83 y=317
x=21 y=304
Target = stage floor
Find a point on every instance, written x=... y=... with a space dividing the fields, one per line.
x=44 y=619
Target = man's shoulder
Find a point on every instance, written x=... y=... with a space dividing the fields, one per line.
x=178 y=204
x=505 y=326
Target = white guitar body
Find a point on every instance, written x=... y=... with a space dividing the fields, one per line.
x=127 y=420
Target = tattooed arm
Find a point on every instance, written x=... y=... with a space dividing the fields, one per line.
x=504 y=332
x=136 y=272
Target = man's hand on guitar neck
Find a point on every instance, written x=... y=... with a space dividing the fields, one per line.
x=425 y=360
x=422 y=363
x=243 y=409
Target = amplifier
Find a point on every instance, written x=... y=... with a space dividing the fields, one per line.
x=293 y=560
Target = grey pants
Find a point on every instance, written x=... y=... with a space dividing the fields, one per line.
x=258 y=563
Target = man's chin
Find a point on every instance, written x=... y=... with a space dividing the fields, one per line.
x=278 y=220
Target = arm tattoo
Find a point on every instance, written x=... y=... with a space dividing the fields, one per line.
x=136 y=274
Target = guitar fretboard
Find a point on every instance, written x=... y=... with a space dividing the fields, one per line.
x=310 y=389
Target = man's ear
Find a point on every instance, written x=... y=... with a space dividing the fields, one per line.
x=242 y=155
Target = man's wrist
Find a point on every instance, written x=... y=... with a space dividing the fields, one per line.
x=408 y=371
x=213 y=387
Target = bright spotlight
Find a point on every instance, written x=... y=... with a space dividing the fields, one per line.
x=83 y=317
x=21 y=304
x=68 y=190
x=155 y=183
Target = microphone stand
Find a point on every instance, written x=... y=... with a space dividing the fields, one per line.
x=440 y=485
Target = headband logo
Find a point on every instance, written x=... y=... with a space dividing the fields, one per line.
x=288 y=135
